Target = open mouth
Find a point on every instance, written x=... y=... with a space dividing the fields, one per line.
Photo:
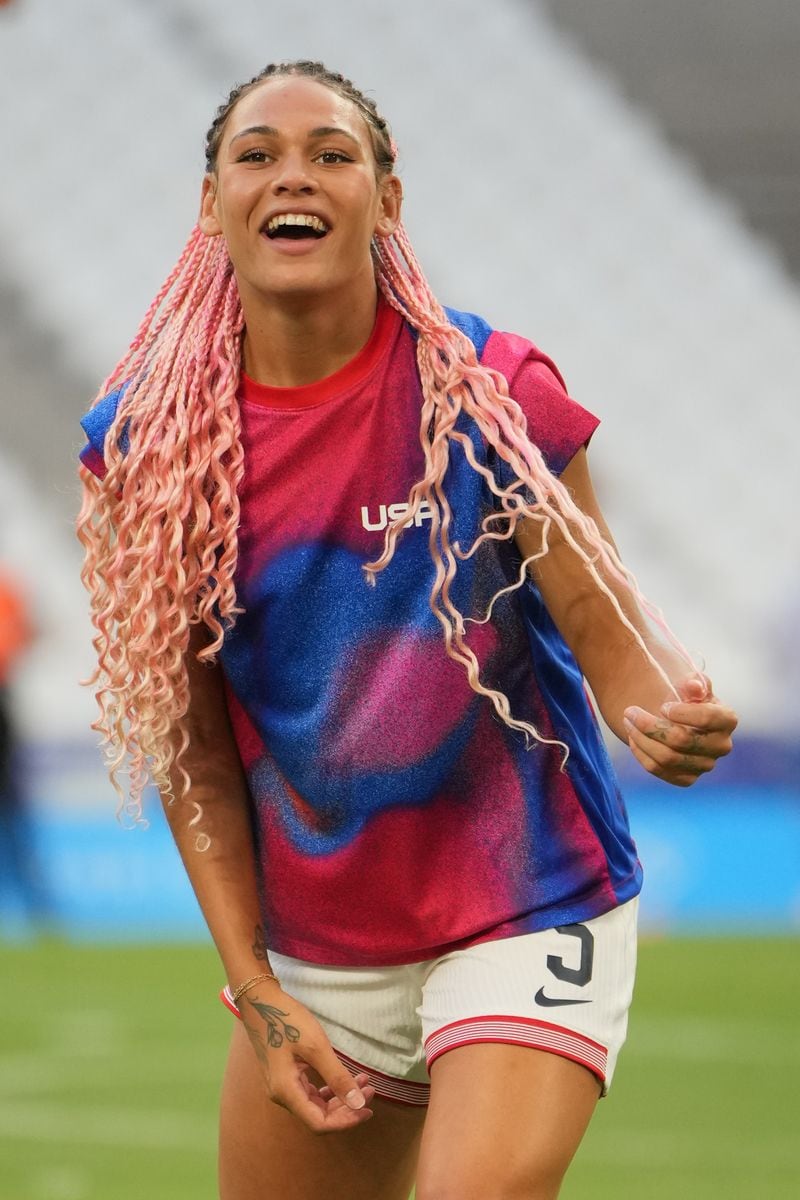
x=295 y=226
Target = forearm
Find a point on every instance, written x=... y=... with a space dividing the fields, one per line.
x=625 y=658
x=285 y=1036
x=223 y=875
x=618 y=670
x=212 y=825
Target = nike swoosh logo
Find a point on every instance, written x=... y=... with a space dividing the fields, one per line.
x=551 y=1002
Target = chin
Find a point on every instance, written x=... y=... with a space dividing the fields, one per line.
x=286 y=284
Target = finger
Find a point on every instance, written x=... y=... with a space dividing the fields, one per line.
x=330 y=1117
x=327 y=1093
x=646 y=752
x=710 y=716
x=705 y=733
x=322 y=1115
x=661 y=759
x=683 y=740
x=662 y=732
x=677 y=778
x=337 y=1077
x=333 y=1102
x=695 y=689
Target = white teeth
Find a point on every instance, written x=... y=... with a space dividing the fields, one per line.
x=297 y=219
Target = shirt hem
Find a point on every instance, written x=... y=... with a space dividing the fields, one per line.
x=570 y=913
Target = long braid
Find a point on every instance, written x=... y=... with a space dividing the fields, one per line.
x=160 y=531
x=454 y=382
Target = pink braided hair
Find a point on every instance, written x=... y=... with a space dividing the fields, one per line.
x=160 y=531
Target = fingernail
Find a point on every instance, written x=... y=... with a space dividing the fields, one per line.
x=667 y=708
x=355 y=1099
x=628 y=724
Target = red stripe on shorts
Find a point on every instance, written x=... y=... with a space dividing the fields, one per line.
x=390 y=1087
x=519 y=1031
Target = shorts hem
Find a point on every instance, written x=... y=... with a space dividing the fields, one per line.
x=389 y=1087
x=409 y=1092
x=519 y=1031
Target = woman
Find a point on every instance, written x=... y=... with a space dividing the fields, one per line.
x=393 y=802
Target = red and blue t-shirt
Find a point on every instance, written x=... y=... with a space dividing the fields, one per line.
x=395 y=816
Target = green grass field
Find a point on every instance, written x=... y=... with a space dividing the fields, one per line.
x=110 y=1060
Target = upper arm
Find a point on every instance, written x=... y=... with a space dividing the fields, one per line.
x=211 y=750
x=556 y=423
x=577 y=479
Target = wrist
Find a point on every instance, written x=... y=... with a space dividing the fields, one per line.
x=238 y=990
x=245 y=955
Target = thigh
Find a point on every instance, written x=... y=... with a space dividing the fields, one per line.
x=504 y=1122
x=267 y=1154
x=521 y=1037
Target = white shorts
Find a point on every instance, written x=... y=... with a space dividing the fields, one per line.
x=565 y=990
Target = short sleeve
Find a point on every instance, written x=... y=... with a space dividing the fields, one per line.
x=557 y=425
x=96 y=424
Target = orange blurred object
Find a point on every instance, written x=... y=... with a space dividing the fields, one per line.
x=16 y=631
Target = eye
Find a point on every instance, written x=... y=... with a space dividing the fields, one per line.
x=331 y=157
x=255 y=156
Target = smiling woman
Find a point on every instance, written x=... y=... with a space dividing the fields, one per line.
x=296 y=419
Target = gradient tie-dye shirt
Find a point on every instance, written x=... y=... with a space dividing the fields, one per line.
x=395 y=816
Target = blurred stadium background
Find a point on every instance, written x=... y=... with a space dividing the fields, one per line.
x=619 y=181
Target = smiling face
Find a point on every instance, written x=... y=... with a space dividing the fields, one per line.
x=296 y=194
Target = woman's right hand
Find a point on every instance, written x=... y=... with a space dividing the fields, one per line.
x=290 y=1043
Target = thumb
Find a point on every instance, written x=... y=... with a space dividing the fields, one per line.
x=695 y=689
x=338 y=1078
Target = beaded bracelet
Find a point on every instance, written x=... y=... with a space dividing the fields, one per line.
x=248 y=983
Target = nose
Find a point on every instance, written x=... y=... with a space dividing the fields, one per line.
x=293 y=175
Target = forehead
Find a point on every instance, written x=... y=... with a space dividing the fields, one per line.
x=294 y=103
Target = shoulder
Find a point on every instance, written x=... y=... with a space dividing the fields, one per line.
x=472 y=326
x=556 y=423
x=508 y=353
x=96 y=424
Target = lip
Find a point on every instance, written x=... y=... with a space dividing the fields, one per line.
x=294 y=247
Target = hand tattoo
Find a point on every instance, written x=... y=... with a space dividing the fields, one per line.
x=659 y=732
x=259 y=946
x=277 y=1028
x=696 y=746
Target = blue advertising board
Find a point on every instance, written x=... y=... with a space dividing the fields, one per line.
x=724 y=861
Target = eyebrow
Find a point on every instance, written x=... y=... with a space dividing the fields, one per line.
x=271 y=131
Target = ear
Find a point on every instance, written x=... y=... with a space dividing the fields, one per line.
x=391 y=202
x=208 y=220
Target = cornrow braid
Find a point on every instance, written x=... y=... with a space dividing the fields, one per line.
x=160 y=532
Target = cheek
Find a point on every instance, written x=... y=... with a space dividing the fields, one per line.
x=235 y=200
x=366 y=217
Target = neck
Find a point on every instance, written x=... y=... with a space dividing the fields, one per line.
x=291 y=344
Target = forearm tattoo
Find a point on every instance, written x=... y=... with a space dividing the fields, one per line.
x=277 y=1028
x=259 y=946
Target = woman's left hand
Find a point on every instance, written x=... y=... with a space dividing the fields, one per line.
x=687 y=736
